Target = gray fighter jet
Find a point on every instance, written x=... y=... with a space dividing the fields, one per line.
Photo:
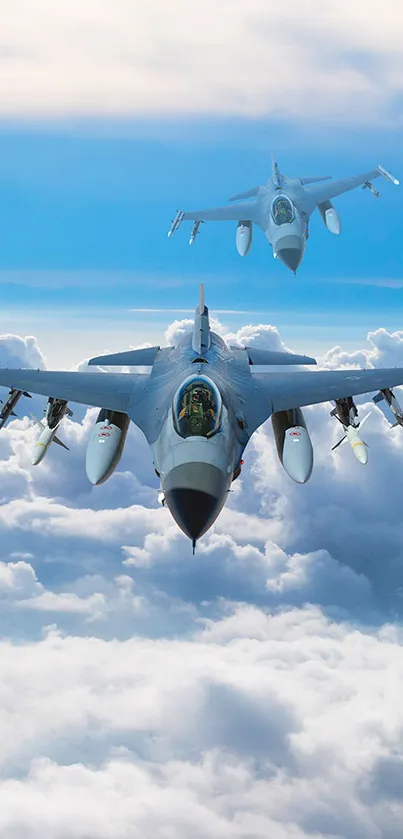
x=198 y=407
x=282 y=208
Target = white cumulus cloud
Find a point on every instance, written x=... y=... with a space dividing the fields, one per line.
x=251 y=690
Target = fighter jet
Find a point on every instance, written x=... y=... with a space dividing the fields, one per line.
x=282 y=208
x=198 y=407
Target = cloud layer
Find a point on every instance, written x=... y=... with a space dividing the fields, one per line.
x=249 y=691
x=285 y=725
x=301 y=59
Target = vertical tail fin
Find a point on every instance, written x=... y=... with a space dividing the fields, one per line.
x=201 y=329
x=276 y=175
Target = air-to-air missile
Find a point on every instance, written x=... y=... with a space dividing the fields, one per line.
x=389 y=397
x=346 y=412
x=8 y=407
x=55 y=410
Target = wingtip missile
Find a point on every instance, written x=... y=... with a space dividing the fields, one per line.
x=176 y=223
x=388 y=175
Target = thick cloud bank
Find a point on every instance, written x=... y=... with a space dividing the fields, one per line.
x=252 y=690
x=301 y=59
x=258 y=725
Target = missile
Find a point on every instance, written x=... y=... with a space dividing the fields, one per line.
x=243 y=239
x=372 y=189
x=293 y=443
x=106 y=444
x=177 y=221
x=56 y=410
x=46 y=437
x=357 y=445
x=8 y=408
x=195 y=231
x=388 y=396
x=352 y=436
x=388 y=175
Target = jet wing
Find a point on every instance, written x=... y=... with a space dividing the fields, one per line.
x=102 y=390
x=130 y=358
x=325 y=192
x=233 y=212
x=295 y=390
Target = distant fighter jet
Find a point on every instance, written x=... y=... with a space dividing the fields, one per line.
x=282 y=208
x=199 y=406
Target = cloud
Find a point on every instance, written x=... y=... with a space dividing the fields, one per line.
x=20 y=352
x=386 y=350
x=303 y=60
x=256 y=725
x=264 y=336
x=250 y=690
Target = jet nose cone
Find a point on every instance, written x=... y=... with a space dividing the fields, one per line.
x=193 y=511
x=195 y=493
x=290 y=250
x=290 y=257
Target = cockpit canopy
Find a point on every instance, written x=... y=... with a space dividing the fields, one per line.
x=197 y=408
x=282 y=210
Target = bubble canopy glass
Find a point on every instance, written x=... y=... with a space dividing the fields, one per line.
x=197 y=408
x=282 y=210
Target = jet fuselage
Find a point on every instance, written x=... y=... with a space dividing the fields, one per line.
x=283 y=222
x=199 y=447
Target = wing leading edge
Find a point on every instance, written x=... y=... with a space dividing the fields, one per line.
x=101 y=390
x=332 y=189
x=296 y=390
x=232 y=212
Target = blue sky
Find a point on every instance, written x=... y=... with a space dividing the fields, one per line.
x=253 y=689
x=86 y=207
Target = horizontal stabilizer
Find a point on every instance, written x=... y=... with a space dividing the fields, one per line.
x=317 y=180
x=131 y=358
x=59 y=443
x=250 y=193
x=257 y=356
